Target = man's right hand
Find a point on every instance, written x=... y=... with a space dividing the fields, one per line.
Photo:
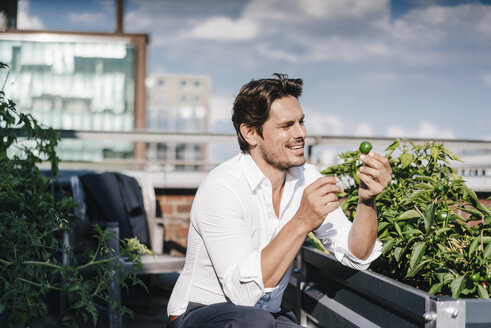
x=318 y=200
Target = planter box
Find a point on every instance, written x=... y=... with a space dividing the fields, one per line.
x=326 y=293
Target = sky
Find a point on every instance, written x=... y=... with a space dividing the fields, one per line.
x=407 y=68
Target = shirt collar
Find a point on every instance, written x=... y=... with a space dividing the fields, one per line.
x=252 y=173
x=255 y=176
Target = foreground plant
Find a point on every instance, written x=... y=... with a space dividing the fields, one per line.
x=435 y=232
x=31 y=226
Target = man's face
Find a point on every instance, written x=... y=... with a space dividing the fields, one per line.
x=282 y=145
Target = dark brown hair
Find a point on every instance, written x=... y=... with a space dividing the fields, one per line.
x=252 y=104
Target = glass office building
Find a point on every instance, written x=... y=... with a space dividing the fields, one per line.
x=78 y=82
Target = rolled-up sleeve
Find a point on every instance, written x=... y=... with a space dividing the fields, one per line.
x=218 y=216
x=333 y=233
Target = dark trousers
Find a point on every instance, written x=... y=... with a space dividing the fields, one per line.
x=229 y=315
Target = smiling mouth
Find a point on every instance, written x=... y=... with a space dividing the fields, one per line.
x=296 y=147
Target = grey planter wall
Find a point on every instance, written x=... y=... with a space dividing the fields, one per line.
x=327 y=294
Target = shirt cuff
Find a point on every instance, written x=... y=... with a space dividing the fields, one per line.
x=250 y=270
x=334 y=232
x=343 y=255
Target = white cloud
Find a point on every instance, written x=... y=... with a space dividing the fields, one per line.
x=370 y=57
x=224 y=28
x=428 y=130
x=395 y=132
x=319 y=123
x=363 y=129
x=25 y=20
x=87 y=18
x=316 y=29
x=436 y=35
x=344 y=31
x=342 y=9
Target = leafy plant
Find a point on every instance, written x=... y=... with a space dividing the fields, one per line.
x=435 y=232
x=31 y=223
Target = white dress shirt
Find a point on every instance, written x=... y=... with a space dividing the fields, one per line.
x=232 y=220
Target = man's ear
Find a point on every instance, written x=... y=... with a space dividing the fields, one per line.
x=249 y=133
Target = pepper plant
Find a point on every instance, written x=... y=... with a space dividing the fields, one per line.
x=31 y=224
x=435 y=231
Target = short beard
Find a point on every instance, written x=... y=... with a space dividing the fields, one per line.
x=280 y=165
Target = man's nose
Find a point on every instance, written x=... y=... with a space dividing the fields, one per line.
x=300 y=131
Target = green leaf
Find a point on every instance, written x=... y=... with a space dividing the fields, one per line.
x=81 y=302
x=417 y=254
x=472 y=211
x=483 y=292
x=475 y=200
x=424 y=186
x=435 y=151
x=398 y=229
x=474 y=244
x=457 y=178
x=398 y=253
x=412 y=232
x=356 y=178
x=382 y=225
x=408 y=215
x=393 y=145
x=429 y=216
x=425 y=178
x=445 y=277
x=412 y=271
x=382 y=194
x=442 y=230
x=487 y=252
x=389 y=214
x=436 y=288
x=406 y=159
x=450 y=154
x=416 y=194
x=388 y=245
x=457 y=285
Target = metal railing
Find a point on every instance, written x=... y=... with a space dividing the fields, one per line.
x=314 y=145
x=326 y=293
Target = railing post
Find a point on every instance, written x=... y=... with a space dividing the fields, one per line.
x=300 y=277
x=115 y=319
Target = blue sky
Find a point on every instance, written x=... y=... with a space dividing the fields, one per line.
x=408 y=68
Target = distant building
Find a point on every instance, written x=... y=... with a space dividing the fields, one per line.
x=79 y=81
x=177 y=103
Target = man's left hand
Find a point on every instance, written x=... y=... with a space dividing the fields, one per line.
x=374 y=175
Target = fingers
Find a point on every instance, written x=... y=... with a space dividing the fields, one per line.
x=372 y=186
x=321 y=194
x=326 y=185
x=332 y=206
x=376 y=160
x=377 y=166
x=376 y=174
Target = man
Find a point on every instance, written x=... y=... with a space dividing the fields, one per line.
x=252 y=213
